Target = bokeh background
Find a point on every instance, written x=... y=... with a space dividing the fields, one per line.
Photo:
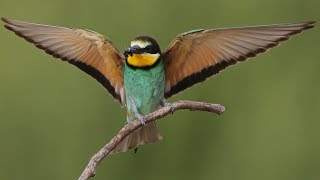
x=53 y=117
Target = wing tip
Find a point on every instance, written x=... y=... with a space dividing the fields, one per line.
x=9 y=25
x=311 y=24
x=308 y=24
x=304 y=26
x=6 y=20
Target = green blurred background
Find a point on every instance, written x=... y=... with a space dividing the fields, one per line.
x=53 y=117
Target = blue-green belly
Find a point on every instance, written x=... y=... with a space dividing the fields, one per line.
x=145 y=87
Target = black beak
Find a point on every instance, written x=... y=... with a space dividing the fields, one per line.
x=133 y=50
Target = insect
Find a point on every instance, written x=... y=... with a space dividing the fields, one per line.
x=143 y=76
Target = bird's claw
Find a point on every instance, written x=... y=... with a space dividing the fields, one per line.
x=141 y=118
x=166 y=104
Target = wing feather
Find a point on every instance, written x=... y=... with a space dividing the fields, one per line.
x=197 y=55
x=89 y=51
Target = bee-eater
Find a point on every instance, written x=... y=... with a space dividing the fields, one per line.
x=143 y=77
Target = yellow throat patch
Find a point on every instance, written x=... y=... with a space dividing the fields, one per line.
x=142 y=60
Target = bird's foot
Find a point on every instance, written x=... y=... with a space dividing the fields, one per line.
x=166 y=104
x=141 y=118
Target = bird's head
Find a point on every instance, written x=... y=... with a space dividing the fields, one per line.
x=144 y=52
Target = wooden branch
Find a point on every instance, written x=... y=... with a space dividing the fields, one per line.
x=90 y=169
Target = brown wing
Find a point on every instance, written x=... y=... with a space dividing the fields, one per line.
x=196 y=55
x=89 y=51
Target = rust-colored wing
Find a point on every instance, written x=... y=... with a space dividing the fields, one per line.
x=89 y=51
x=196 y=55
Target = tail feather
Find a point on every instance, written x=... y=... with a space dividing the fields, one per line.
x=144 y=135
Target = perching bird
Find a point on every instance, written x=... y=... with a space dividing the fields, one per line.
x=143 y=77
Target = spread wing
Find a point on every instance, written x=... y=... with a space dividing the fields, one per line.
x=87 y=50
x=197 y=55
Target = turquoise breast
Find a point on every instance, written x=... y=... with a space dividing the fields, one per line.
x=145 y=87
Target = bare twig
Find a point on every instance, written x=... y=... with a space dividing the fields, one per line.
x=90 y=169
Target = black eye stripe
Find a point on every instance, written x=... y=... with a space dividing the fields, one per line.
x=148 y=49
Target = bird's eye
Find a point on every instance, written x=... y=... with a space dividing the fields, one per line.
x=148 y=48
